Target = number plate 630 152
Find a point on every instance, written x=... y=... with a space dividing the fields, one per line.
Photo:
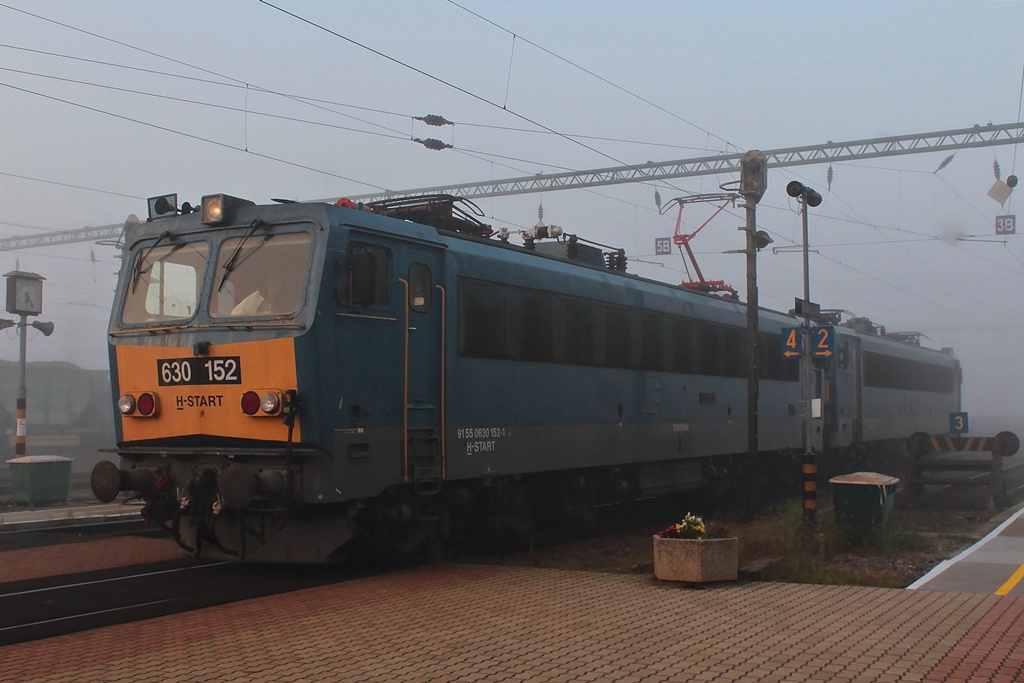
x=201 y=370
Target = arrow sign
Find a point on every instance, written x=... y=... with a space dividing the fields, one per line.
x=792 y=342
x=822 y=342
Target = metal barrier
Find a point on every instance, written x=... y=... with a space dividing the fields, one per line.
x=924 y=469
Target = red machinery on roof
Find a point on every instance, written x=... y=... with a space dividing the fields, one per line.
x=683 y=241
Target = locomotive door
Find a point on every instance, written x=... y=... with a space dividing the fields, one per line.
x=419 y=271
x=386 y=371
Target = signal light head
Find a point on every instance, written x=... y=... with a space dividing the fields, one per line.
x=797 y=189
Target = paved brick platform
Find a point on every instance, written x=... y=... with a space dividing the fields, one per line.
x=481 y=623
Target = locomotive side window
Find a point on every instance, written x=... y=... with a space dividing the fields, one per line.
x=618 y=352
x=366 y=275
x=682 y=357
x=536 y=343
x=891 y=372
x=515 y=323
x=420 y=287
x=773 y=364
x=165 y=283
x=652 y=341
x=579 y=339
x=483 y=316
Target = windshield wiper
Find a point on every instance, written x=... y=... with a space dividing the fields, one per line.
x=138 y=269
x=234 y=260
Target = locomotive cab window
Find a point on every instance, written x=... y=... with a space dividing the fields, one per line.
x=365 y=276
x=165 y=283
x=419 y=288
x=261 y=275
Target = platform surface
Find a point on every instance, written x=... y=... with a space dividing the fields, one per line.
x=486 y=623
x=993 y=565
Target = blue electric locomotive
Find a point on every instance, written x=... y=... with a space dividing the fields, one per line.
x=292 y=377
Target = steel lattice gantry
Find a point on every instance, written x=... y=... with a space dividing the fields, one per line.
x=918 y=143
x=897 y=145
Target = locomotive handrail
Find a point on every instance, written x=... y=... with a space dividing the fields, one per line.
x=444 y=322
x=385 y=318
x=405 y=387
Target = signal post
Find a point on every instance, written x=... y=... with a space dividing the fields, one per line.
x=24 y=298
x=804 y=307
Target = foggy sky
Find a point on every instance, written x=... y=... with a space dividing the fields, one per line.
x=205 y=111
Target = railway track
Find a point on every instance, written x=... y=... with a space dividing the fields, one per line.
x=37 y=536
x=43 y=608
x=1013 y=476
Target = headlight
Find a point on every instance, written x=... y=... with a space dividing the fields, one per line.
x=126 y=404
x=270 y=403
x=212 y=209
x=220 y=208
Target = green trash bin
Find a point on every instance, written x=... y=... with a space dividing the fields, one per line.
x=40 y=479
x=864 y=503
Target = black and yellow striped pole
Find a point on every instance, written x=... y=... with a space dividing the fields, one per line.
x=810 y=486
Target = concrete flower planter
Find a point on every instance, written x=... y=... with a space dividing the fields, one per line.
x=696 y=561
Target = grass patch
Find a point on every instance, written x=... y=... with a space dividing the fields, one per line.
x=775 y=546
x=891 y=555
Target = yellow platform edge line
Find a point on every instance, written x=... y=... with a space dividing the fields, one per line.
x=1012 y=581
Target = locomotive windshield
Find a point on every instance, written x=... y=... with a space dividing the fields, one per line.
x=262 y=275
x=166 y=282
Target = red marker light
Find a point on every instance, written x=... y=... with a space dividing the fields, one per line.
x=250 y=402
x=147 y=404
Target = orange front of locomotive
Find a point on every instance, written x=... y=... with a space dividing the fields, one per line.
x=206 y=322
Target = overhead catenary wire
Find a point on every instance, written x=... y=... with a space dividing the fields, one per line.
x=70 y=185
x=591 y=73
x=398 y=135
x=191 y=136
x=334 y=103
x=440 y=80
